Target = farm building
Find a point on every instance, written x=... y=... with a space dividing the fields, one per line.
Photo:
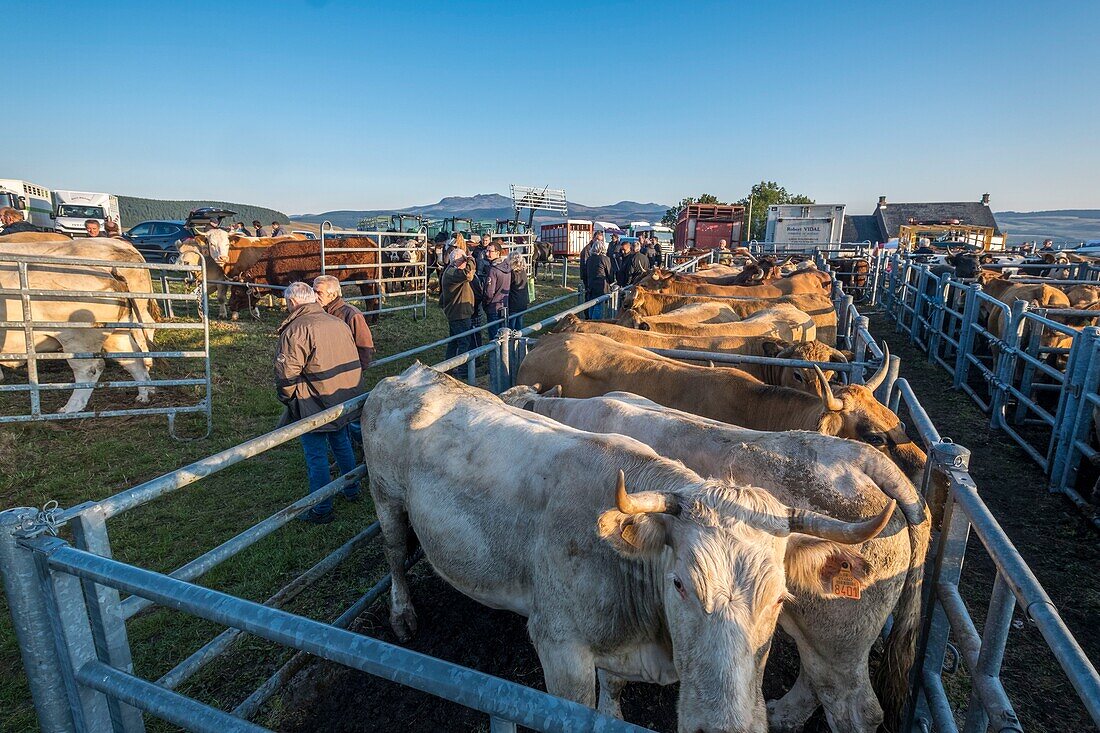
x=883 y=224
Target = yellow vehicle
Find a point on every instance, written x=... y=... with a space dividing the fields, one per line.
x=909 y=235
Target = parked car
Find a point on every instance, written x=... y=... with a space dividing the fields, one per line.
x=158 y=241
x=199 y=220
x=1088 y=248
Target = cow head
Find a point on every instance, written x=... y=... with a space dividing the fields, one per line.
x=570 y=324
x=853 y=412
x=717 y=554
x=804 y=378
x=190 y=254
x=967 y=264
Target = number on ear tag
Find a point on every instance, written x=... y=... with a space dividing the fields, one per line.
x=845 y=585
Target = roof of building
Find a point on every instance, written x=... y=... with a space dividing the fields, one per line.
x=861 y=228
x=892 y=216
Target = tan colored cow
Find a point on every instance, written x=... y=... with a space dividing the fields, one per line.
x=841 y=478
x=673 y=284
x=780 y=321
x=818 y=307
x=107 y=249
x=755 y=345
x=76 y=340
x=589 y=365
x=624 y=563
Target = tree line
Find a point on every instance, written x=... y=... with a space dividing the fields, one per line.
x=134 y=210
x=762 y=195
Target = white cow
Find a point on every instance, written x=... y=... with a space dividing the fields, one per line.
x=683 y=578
x=841 y=477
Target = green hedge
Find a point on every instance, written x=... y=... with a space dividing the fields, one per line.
x=135 y=210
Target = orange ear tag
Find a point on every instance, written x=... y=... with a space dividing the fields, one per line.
x=844 y=584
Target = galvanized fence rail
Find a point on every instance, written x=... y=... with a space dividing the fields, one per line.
x=71 y=621
x=1031 y=373
x=33 y=329
x=400 y=269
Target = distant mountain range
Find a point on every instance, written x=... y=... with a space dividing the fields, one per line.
x=1073 y=225
x=491 y=206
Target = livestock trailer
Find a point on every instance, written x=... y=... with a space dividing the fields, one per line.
x=567 y=238
x=805 y=223
x=703 y=226
x=34 y=201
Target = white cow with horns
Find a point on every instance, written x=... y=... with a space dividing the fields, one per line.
x=679 y=578
x=834 y=632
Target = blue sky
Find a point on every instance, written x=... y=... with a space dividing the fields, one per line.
x=310 y=106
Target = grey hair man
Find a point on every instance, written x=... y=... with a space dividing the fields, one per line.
x=331 y=299
x=317 y=367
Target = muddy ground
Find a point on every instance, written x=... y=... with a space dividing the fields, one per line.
x=1061 y=548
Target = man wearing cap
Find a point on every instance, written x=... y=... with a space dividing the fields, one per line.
x=456 y=298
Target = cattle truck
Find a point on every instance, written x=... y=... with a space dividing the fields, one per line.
x=567 y=238
x=704 y=226
x=33 y=200
x=73 y=208
x=805 y=223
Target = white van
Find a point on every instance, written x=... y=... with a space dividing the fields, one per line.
x=73 y=208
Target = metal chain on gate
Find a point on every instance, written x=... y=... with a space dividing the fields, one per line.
x=43 y=521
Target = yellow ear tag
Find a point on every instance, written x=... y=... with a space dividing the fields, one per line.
x=845 y=585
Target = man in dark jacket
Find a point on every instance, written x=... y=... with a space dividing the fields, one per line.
x=317 y=367
x=615 y=251
x=600 y=277
x=260 y=231
x=498 y=281
x=11 y=222
x=456 y=298
x=518 y=298
x=634 y=267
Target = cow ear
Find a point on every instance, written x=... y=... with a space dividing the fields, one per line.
x=771 y=349
x=554 y=391
x=824 y=568
x=643 y=326
x=633 y=535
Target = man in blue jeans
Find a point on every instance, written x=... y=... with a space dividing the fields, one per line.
x=317 y=367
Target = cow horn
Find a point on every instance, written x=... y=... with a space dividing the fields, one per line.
x=808 y=522
x=646 y=502
x=832 y=404
x=880 y=375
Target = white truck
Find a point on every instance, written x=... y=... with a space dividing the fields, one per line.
x=33 y=200
x=73 y=208
x=805 y=223
x=663 y=234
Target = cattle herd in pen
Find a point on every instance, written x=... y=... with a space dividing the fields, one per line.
x=656 y=518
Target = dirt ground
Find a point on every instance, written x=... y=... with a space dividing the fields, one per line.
x=1060 y=547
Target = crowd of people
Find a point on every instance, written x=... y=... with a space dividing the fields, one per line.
x=606 y=266
x=481 y=284
x=12 y=222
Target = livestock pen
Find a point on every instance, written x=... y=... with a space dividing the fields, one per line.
x=69 y=615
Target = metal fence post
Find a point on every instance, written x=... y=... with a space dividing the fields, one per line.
x=998 y=620
x=33 y=632
x=107 y=624
x=1006 y=365
x=948 y=551
x=1078 y=423
x=918 y=302
x=500 y=371
x=938 y=304
x=1027 y=375
x=966 y=336
x=859 y=347
x=73 y=642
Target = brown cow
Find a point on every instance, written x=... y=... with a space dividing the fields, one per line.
x=803 y=379
x=300 y=260
x=818 y=306
x=589 y=365
x=673 y=284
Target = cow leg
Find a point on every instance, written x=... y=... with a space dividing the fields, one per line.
x=137 y=368
x=394 y=521
x=84 y=370
x=834 y=669
x=611 y=688
x=790 y=713
x=567 y=665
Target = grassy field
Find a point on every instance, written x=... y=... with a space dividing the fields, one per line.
x=72 y=462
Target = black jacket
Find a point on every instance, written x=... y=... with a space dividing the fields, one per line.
x=517 y=293
x=634 y=268
x=19 y=226
x=600 y=275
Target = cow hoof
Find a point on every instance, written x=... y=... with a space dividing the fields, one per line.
x=404 y=624
x=781 y=726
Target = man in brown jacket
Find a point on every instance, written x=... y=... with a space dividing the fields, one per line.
x=317 y=367
x=456 y=298
x=331 y=299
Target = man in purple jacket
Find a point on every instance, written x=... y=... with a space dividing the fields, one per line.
x=498 y=280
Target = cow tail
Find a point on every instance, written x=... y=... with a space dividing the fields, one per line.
x=891 y=680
